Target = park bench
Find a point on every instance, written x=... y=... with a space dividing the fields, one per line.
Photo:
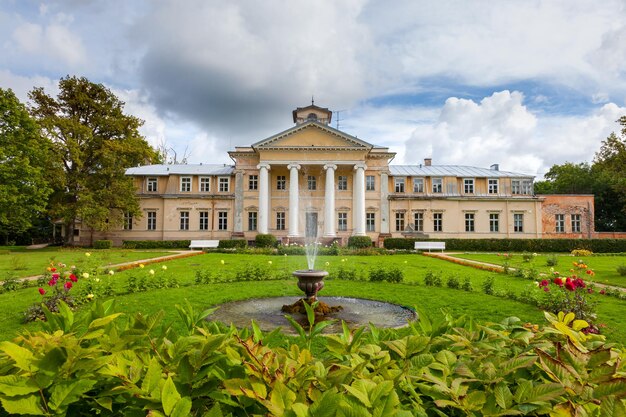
x=203 y=244
x=430 y=245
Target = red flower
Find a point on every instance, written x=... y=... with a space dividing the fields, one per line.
x=546 y=289
x=52 y=283
x=73 y=278
x=53 y=269
x=602 y=292
x=579 y=283
x=55 y=276
x=558 y=281
x=67 y=285
x=544 y=283
x=42 y=291
x=589 y=290
x=589 y=272
x=569 y=285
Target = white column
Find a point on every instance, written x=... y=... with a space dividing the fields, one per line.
x=329 y=201
x=359 y=200
x=384 y=203
x=294 y=199
x=264 y=197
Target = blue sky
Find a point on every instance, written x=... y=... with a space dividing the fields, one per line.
x=526 y=84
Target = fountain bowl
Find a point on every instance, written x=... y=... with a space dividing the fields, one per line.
x=310 y=281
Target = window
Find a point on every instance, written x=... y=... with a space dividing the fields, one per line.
x=184 y=220
x=152 y=184
x=311 y=183
x=437 y=185
x=575 y=223
x=516 y=187
x=494 y=222
x=493 y=186
x=399 y=222
x=559 y=223
x=370 y=222
x=224 y=185
x=342 y=183
x=469 y=222
x=205 y=184
x=468 y=186
x=253 y=182
x=128 y=221
x=280 y=220
x=399 y=185
x=204 y=220
x=222 y=220
x=419 y=221
x=252 y=220
x=185 y=184
x=527 y=187
x=369 y=183
x=437 y=222
x=342 y=222
x=418 y=185
x=281 y=182
x=152 y=220
x=518 y=222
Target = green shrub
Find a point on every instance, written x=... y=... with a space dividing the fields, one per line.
x=103 y=244
x=377 y=274
x=621 y=270
x=156 y=244
x=527 y=257
x=359 y=242
x=265 y=241
x=233 y=244
x=552 y=260
x=467 y=285
x=432 y=279
x=488 y=286
x=345 y=273
x=453 y=282
x=392 y=275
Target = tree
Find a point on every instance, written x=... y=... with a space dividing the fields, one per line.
x=24 y=189
x=568 y=178
x=93 y=144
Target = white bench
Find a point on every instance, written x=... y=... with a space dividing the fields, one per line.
x=202 y=244
x=430 y=245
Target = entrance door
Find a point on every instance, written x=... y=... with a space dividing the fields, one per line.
x=311 y=224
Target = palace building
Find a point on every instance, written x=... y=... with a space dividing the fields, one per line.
x=312 y=179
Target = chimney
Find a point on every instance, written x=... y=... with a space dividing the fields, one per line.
x=428 y=162
x=495 y=167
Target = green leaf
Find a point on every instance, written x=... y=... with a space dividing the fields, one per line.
x=256 y=331
x=516 y=363
x=319 y=327
x=310 y=313
x=215 y=411
x=446 y=357
x=169 y=396
x=296 y=326
x=13 y=385
x=326 y=405
x=300 y=410
x=616 y=387
x=152 y=377
x=22 y=357
x=360 y=395
x=558 y=371
x=101 y=322
x=545 y=392
x=474 y=400
x=67 y=392
x=182 y=408
x=504 y=397
x=105 y=402
x=22 y=405
x=612 y=407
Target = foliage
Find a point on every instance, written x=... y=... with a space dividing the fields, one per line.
x=467 y=285
x=103 y=244
x=345 y=273
x=24 y=159
x=569 y=295
x=101 y=363
x=265 y=241
x=488 y=286
x=453 y=282
x=581 y=252
x=232 y=243
x=392 y=274
x=517 y=245
x=432 y=279
x=93 y=143
x=156 y=244
x=552 y=260
x=359 y=242
x=621 y=269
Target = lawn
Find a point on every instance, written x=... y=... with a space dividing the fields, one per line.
x=230 y=267
x=605 y=267
x=21 y=262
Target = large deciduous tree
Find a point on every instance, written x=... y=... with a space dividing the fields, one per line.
x=24 y=189
x=93 y=144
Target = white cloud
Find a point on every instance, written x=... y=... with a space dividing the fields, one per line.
x=22 y=85
x=500 y=129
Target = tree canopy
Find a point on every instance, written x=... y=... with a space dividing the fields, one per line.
x=24 y=189
x=93 y=143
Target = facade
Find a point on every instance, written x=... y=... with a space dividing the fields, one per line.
x=313 y=179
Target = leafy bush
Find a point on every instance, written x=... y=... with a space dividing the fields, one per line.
x=581 y=252
x=156 y=244
x=346 y=273
x=569 y=295
x=214 y=370
x=232 y=244
x=359 y=242
x=103 y=244
x=552 y=260
x=265 y=241
x=488 y=286
x=621 y=269
x=377 y=274
x=467 y=285
x=453 y=282
x=432 y=279
x=392 y=275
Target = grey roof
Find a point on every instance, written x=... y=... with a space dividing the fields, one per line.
x=182 y=169
x=451 y=171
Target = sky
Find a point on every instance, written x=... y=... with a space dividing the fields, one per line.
x=525 y=84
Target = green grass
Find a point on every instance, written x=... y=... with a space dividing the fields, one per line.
x=412 y=292
x=20 y=262
x=605 y=267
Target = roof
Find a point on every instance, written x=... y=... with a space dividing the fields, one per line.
x=182 y=169
x=308 y=124
x=451 y=171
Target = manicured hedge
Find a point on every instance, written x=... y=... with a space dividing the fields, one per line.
x=517 y=245
x=266 y=241
x=232 y=243
x=156 y=244
x=359 y=242
x=103 y=244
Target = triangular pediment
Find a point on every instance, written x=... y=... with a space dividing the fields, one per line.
x=312 y=134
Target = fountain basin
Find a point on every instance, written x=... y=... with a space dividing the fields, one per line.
x=310 y=281
x=356 y=312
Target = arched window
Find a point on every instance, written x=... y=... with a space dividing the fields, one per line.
x=312 y=116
